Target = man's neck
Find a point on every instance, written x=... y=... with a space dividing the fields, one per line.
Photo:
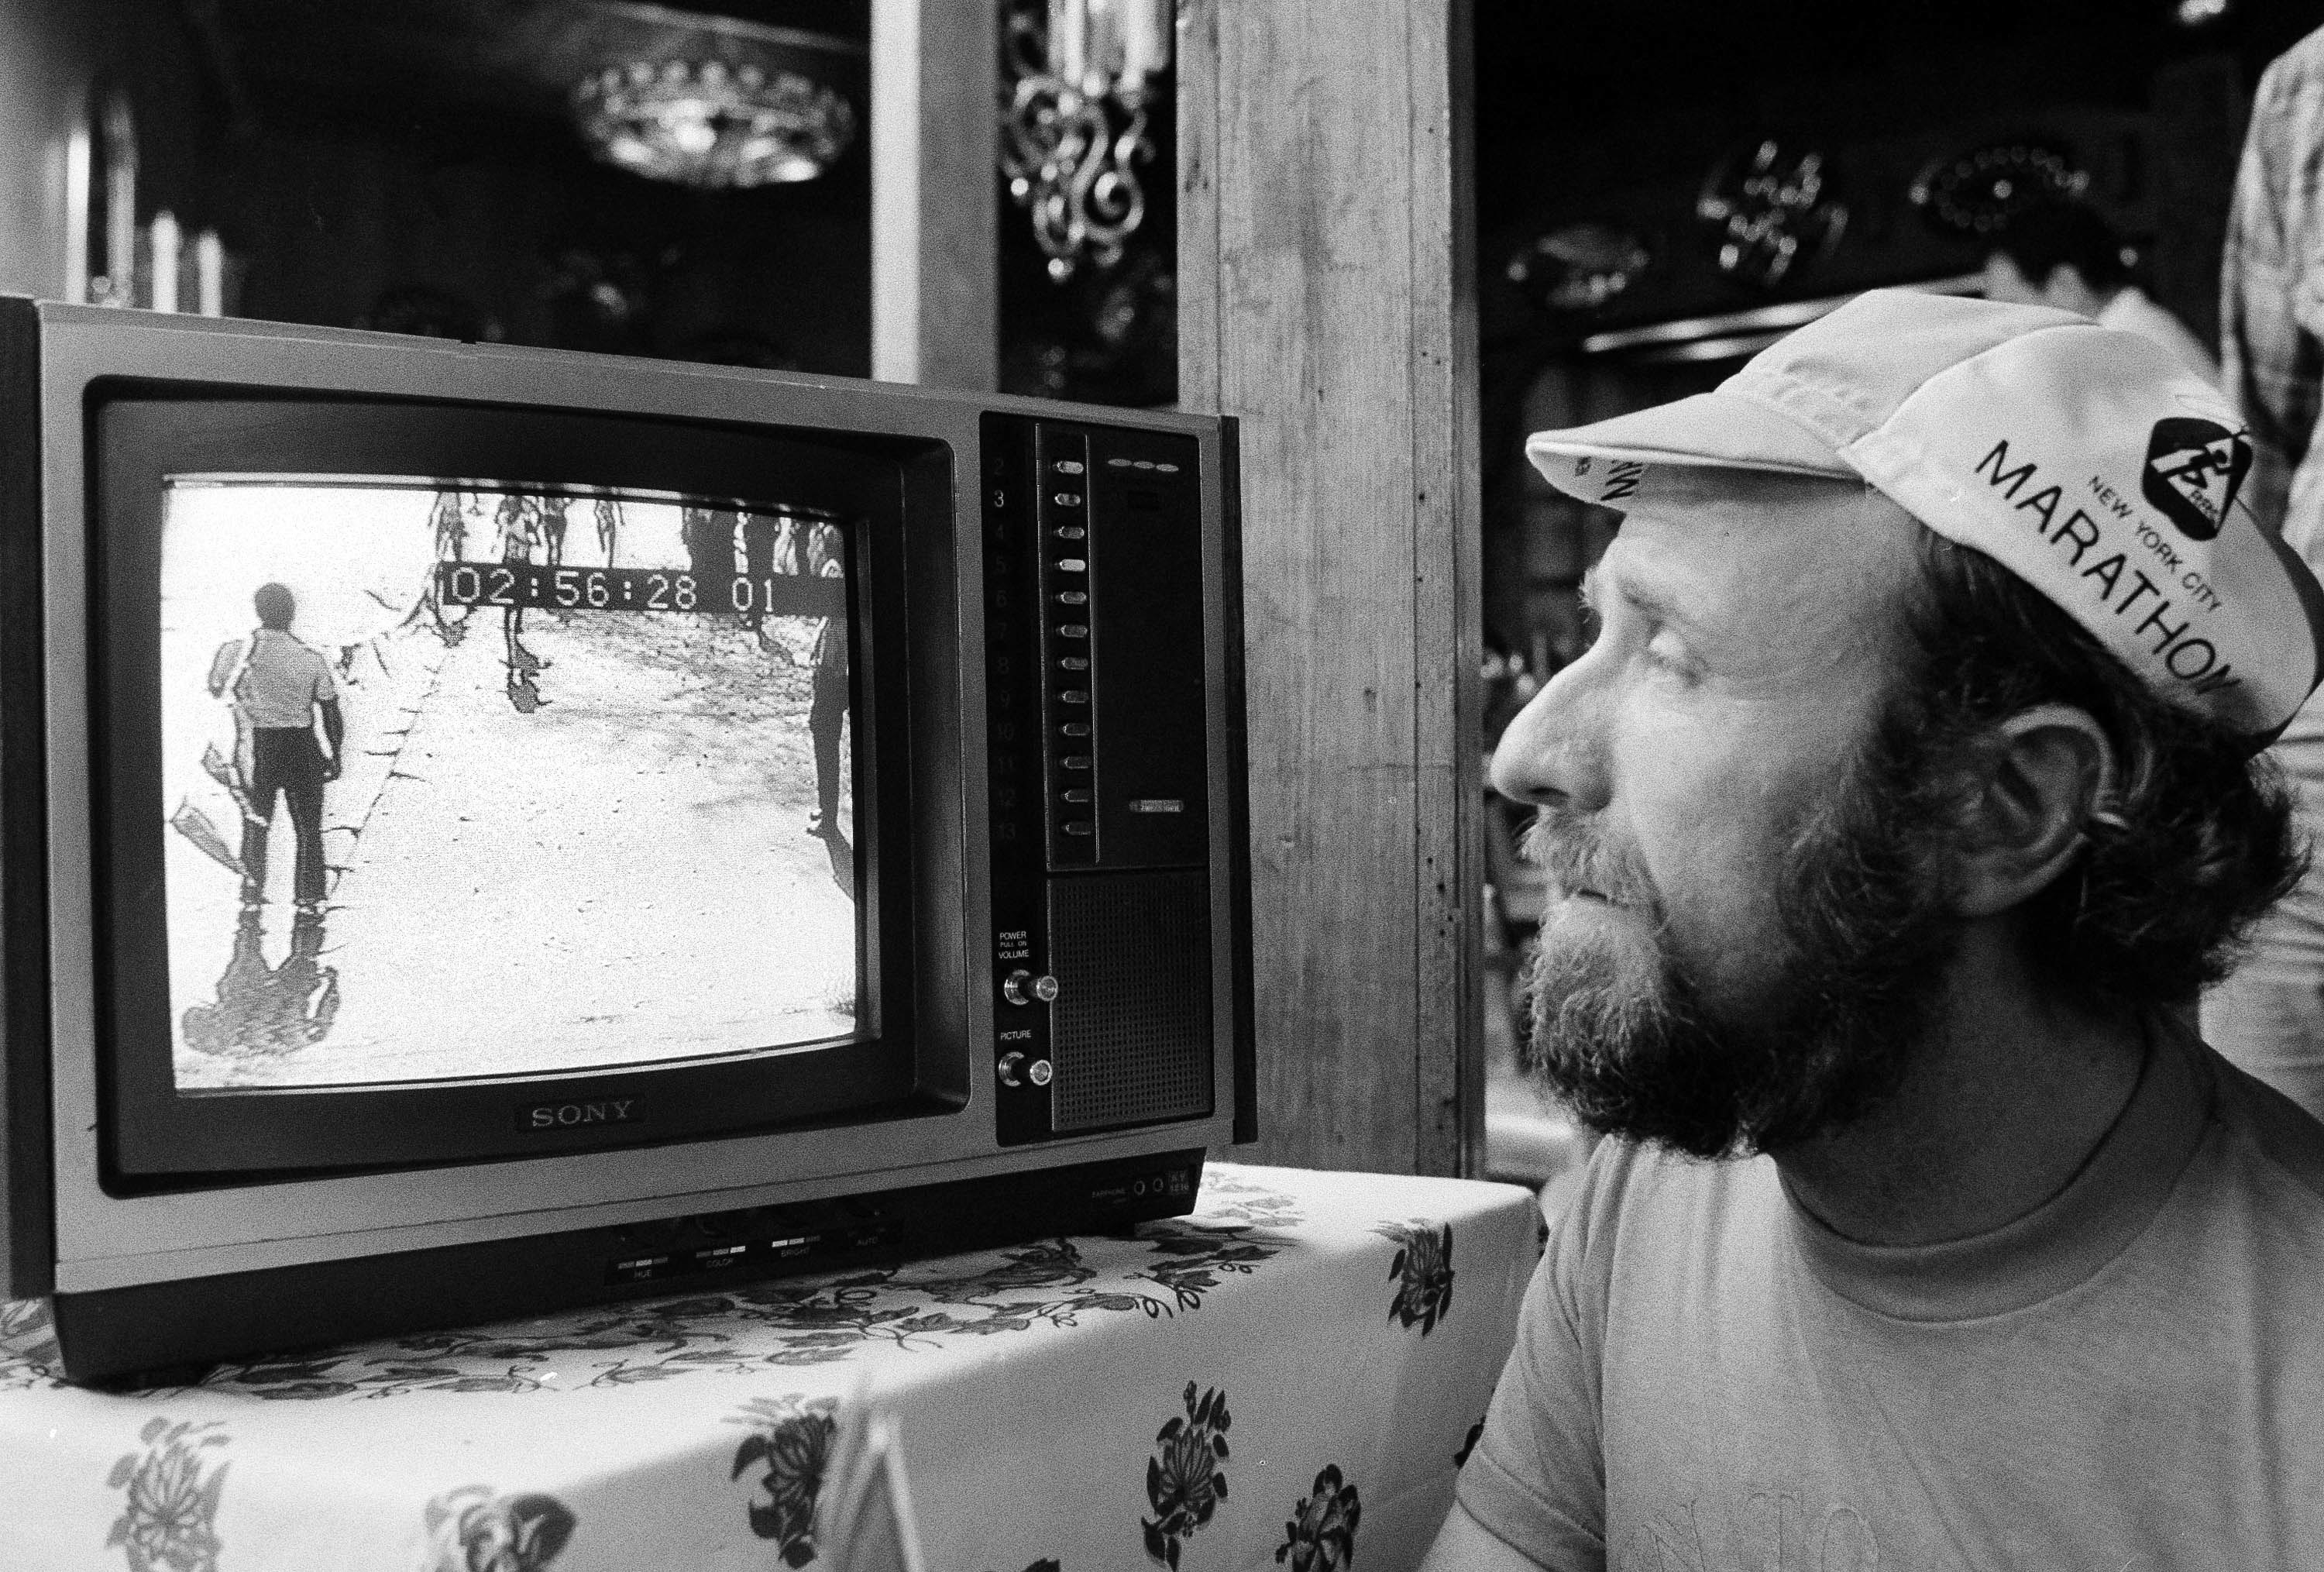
x=2011 y=1093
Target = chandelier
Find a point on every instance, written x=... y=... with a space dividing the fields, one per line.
x=713 y=101
x=1073 y=123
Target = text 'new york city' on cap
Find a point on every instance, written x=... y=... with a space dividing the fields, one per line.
x=2087 y=462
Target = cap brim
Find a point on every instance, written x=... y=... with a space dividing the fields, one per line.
x=1716 y=429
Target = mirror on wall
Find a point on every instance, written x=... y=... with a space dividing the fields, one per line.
x=604 y=175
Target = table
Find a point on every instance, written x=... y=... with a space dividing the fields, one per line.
x=1293 y=1374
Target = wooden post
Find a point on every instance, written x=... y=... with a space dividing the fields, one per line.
x=934 y=235
x=1327 y=298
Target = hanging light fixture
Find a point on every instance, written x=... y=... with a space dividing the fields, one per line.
x=713 y=101
x=1073 y=129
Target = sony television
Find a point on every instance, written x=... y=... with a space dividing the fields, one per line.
x=484 y=828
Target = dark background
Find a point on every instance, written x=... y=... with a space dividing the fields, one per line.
x=1619 y=117
x=1609 y=111
x=411 y=164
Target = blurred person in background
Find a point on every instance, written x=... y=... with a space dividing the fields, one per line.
x=2269 y=1017
x=2063 y=255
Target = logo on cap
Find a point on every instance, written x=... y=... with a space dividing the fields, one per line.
x=2193 y=470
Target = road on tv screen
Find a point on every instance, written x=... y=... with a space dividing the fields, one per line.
x=586 y=844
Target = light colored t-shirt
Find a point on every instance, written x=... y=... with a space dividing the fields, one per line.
x=2129 y=1378
x=283 y=681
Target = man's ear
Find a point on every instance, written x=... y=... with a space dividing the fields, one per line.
x=2026 y=799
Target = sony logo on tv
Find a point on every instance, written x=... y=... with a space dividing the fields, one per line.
x=573 y=1115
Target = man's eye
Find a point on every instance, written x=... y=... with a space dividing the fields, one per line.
x=1589 y=627
x=1667 y=650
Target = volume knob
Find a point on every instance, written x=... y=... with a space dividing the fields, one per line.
x=1022 y=987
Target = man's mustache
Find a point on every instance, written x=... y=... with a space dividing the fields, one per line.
x=1567 y=847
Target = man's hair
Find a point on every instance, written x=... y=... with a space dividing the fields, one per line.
x=275 y=606
x=2041 y=239
x=2195 y=841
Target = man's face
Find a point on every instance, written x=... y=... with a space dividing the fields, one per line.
x=1706 y=825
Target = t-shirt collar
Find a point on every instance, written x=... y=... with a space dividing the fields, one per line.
x=2060 y=1244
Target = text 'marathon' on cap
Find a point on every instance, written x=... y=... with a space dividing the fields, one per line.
x=2087 y=462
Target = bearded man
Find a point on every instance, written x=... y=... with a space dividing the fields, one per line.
x=1903 y=802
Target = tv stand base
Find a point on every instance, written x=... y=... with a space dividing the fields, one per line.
x=169 y=1333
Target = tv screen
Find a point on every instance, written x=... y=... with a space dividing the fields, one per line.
x=468 y=779
x=481 y=781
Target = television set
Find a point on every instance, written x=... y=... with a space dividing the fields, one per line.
x=484 y=828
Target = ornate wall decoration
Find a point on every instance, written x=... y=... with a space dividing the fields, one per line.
x=1580 y=267
x=1976 y=191
x=1771 y=213
x=1078 y=77
x=710 y=101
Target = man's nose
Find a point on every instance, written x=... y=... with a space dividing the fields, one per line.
x=1553 y=753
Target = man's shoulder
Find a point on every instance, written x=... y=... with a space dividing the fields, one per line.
x=287 y=655
x=2299 y=69
x=224 y=664
x=292 y=649
x=1638 y=1203
x=2281 y=1141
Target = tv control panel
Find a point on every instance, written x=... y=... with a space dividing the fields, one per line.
x=1099 y=771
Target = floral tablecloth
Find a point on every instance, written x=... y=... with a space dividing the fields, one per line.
x=1289 y=1377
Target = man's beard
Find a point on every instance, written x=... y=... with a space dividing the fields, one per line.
x=1623 y=1033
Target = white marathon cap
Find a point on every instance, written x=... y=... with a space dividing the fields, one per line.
x=2088 y=462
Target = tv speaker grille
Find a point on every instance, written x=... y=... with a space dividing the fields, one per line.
x=1129 y=1032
